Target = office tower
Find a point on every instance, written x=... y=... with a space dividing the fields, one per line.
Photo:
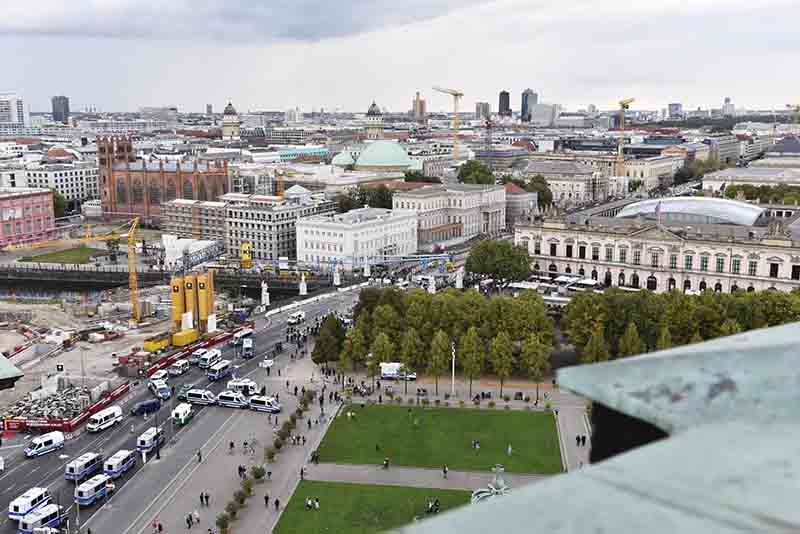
x=60 y=109
x=209 y=109
x=418 y=110
x=483 y=110
x=529 y=99
x=12 y=109
x=505 y=104
x=675 y=111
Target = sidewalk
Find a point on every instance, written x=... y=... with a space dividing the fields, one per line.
x=414 y=476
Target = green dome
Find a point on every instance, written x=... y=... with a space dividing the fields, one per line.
x=384 y=154
x=343 y=159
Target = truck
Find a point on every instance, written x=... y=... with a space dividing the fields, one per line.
x=297 y=317
x=247 y=348
x=394 y=371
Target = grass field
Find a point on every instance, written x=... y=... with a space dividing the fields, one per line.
x=444 y=436
x=359 y=508
x=81 y=254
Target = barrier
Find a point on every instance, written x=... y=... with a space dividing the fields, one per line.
x=186 y=351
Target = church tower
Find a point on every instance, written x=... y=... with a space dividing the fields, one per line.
x=374 y=122
x=230 y=124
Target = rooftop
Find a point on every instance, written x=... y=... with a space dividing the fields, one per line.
x=556 y=167
x=696 y=210
x=357 y=216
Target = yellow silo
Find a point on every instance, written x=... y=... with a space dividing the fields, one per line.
x=190 y=293
x=212 y=293
x=202 y=300
x=176 y=295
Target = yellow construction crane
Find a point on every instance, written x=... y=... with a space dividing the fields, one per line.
x=457 y=95
x=133 y=282
x=246 y=256
x=624 y=105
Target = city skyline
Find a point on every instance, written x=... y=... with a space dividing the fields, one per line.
x=358 y=54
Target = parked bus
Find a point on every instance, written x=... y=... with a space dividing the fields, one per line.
x=243 y=385
x=119 y=463
x=209 y=358
x=237 y=338
x=50 y=516
x=29 y=501
x=83 y=466
x=92 y=490
x=149 y=439
x=104 y=419
x=220 y=370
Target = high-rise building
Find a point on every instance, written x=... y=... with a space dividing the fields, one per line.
x=505 y=104
x=418 y=110
x=12 y=109
x=529 y=99
x=727 y=108
x=675 y=111
x=60 y=109
x=209 y=109
x=483 y=110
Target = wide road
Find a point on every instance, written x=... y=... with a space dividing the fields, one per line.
x=139 y=486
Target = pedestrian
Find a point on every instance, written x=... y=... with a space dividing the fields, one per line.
x=202 y=495
x=277 y=504
x=269 y=475
x=509 y=451
x=302 y=469
x=188 y=520
x=444 y=471
x=295 y=391
x=160 y=527
x=196 y=516
x=309 y=423
x=199 y=456
x=304 y=441
x=577 y=440
x=266 y=500
x=206 y=497
x=583 y=440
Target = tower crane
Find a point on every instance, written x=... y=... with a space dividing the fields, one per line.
x=457 y=95
x=624 y=105
x=795 y=108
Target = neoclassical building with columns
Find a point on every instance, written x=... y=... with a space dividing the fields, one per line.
x=689 y=246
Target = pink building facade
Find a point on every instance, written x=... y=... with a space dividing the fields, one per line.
x=26 y=215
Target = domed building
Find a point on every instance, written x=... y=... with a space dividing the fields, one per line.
x=374 y=122
x=379 y=156
x=231 y=124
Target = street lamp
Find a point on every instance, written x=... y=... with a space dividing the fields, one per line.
x=453 y=375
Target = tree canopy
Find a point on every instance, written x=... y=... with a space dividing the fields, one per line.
x=537 y=184
x=502 y=358
x=59 y=204
x=418 y=176
x=441 y=352
x=500 y=260
x=374 y=197
x=475 y=172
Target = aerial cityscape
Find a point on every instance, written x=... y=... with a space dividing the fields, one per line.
x=304 y=269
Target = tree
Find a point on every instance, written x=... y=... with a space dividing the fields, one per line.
x=631 y=344
x=346 y=362
x=664 y=338
x=382 y=351
x=471 y=355
x=410 y=347
x=502 y=358
x=345 y=203
x=418 y=176
x=440 y=356
x=500 y=260
x=329 y=342
x=696 y=338
x=385 y=319
x=59 y=204
x=596 y=349
x=475 y=172
x=585 y=314
x=634 y=185
x=729 y=328
x=535 y=359
x=358 y=346
x=538 y=184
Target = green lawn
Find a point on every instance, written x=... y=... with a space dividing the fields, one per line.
x=359 y=508
x=81 y=254
x=444 y=436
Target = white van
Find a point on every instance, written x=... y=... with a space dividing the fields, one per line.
x=44 y=444
x=232 y=399
x=200 y=396
x=395 y=371
x=119 y=463
x=104 y=419
x=178 y=368
x=297 y=317
x=27 y=502
x=209 y=358
x=264 y=404
x=243 y=385
x=183 y=413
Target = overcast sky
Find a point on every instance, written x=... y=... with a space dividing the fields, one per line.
x=342 y=54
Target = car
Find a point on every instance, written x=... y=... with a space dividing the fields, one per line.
x=161 y=374
x=266 y=363
x=160 y=389
x=184 y=390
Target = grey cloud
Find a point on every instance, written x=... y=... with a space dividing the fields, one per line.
x=236 y=21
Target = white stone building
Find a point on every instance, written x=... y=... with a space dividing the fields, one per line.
x=570 y=182
x=75 y=181
x=355 y=237
x=654 y=171
x=757 y=176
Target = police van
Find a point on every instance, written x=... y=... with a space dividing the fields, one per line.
x=182 y=413
x=241 y=335
x=44 y=444
x=244 y=386
x=264 y=404
x=119 y=463
x=92 y=490
x=209 y=358
x=220 y=370
x=178 y=368
x=149 y=439
x=104 y=419
x=194 y=357
x=160 y=389
x=83 y=466
x=50 y=516
x=200 y=396
x=29 y=501
x=232 y=399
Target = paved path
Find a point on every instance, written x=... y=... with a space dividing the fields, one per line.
x=413 y=476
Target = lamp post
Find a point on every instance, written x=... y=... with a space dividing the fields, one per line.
x=453 y=370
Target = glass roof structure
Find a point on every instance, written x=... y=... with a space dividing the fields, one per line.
x=696 y=210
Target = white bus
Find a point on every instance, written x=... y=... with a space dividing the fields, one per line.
x=209 y=358
x=91 y=490
x=232 y=399
x=104 y=419
x=149 y=439
x=28 y=502
x=243 y=385
x=119 y=463
x=83 y=466
x=220 y=370
x=200 y=396
x=51 y=515
x=264 y=404
x=237 y=338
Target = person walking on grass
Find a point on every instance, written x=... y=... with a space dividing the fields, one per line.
x=444 y=471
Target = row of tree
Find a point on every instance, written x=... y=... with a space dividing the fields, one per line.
x=778 y=194
x=618 y=324
x=374 y=197
x=536 y=184
x=420 y=330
